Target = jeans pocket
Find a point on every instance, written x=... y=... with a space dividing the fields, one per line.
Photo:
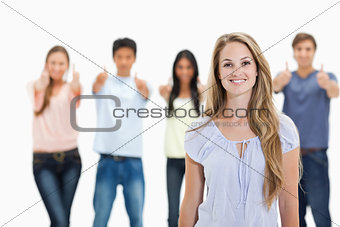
x=136 y=165
x=38 y=163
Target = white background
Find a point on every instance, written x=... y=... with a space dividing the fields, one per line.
x=161 y=30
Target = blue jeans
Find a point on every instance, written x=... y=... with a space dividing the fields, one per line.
x=56 y=176
x=175 y=169
x=315 y=184
x=110 y=173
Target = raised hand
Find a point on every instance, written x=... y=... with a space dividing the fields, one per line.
x=165 y=90
x=141 y=86
x=75 y=74
x=286 y=76
x=44 y=80
x=75 y=85
x=323 y=78
x=101 y=78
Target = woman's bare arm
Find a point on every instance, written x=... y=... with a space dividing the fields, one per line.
x=193 y=196
x=288 y=198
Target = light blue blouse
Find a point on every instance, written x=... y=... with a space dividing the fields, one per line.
x=234 y=185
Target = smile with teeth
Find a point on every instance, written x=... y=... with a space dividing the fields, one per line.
x=238 y=81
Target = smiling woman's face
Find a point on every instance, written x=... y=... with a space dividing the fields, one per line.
x=237 y=68
x=57 y=64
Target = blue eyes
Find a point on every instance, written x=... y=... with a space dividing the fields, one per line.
x=243 y=64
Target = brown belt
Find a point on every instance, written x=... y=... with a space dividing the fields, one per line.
x=305 y=151
x=58 y=156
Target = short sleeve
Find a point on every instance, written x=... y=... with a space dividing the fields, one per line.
x=332 y=77
x=289 y=135
x=195 y=141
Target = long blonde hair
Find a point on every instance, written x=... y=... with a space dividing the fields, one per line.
x=265 y=124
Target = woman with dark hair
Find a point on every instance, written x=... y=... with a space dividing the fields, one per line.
x=56 y=160
x=184 y=95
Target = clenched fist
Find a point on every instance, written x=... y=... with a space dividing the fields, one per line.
x=141 y=86
x=323 y=79
x=285 y=76
x=44 y=80
x=165 y=90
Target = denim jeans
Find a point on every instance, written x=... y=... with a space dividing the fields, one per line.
x=315 y=184
x=57 y=178
x=111 y=173
x=175 y=169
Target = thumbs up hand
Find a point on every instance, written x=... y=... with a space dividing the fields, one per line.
x=75 y=74
x=285 y=76
x=101 y=78
x=141 y=86
x=100 y=81
x=75 y=85
x=323 y=78
x=44 y=80
x=165 y=90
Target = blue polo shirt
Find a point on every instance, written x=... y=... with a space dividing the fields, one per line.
x=308 y=106
x=125 y=141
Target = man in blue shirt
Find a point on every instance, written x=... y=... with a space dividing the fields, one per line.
x=307 y=93
x=120 y=150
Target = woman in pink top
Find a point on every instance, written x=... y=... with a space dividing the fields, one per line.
x=56 y=161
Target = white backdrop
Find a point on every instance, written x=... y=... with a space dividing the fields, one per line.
x=161 y=30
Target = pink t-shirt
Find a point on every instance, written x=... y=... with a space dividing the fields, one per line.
x=52 y=130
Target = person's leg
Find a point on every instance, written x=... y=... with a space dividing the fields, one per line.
x=302 y=195
x=317 y=186
x=174 y=175
x=49 y=187
x=133 y=189
x=69 y=179
x=105 y=191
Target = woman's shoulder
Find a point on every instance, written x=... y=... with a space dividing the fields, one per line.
x=287 y=125
x=199 y=125
x=288 y=132
x=197 y=135
x=284 y=119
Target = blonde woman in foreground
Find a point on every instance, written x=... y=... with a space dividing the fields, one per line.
x=242 y=148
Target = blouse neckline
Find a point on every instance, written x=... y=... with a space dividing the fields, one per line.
x=232 y=141
x=60 y=91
